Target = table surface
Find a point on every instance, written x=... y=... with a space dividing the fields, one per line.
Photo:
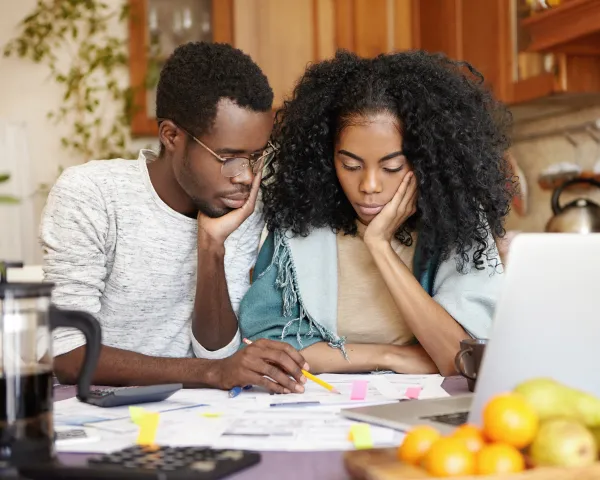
x=277 y=465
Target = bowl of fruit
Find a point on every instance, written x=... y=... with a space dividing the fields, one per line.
x=540 y=430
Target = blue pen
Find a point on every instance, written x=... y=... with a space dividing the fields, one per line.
x=295 y=404
x=235 y=391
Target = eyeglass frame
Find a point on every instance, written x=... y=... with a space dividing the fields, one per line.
x=223 y=160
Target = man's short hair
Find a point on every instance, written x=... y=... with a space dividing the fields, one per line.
x=199 y=74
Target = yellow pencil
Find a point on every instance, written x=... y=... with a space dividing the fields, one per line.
x=320 y=382
x=310 y=376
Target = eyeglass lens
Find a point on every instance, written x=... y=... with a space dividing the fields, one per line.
x=232 y=167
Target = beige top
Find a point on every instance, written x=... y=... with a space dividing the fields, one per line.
x=367 y=312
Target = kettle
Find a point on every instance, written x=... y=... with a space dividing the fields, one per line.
x=579 y=216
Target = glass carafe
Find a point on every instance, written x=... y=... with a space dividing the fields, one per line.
x=27 y=319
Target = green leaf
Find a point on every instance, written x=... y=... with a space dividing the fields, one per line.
x=80 y=32
x=124 y=12
x=9 y=199
x=31 y=18
x=4 y=177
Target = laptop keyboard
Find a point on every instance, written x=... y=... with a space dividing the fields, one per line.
x=456 y=419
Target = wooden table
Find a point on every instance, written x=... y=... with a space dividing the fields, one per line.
x=276 y=465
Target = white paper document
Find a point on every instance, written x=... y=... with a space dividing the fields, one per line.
x=384 y=388
x=301 y=430
x=75 y=413
x=255 y=419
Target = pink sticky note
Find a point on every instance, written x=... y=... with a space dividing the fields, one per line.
x=359 y=389
x=412 y=392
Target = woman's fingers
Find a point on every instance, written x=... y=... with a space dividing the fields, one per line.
x=408 y=198
x=402 y=189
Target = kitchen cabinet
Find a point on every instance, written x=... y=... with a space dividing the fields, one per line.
x=282 y=36
x=475 y=31
x=572 y=27
x=372 y=27
x=495 y=36
x=156 y=28
x=539 y=64
x=569 y=73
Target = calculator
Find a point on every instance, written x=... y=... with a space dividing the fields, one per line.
x=116 y=397
x=152 y=463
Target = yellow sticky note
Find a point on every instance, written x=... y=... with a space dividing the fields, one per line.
x=137 y=413
x=148 y=427
x=360 y=435
x=211 y=414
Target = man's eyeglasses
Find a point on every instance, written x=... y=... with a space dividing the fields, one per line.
x=233 y=166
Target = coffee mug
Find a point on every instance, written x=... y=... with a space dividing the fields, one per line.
x=468 y=359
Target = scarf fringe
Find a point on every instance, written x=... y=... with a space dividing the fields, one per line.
x=287 y=282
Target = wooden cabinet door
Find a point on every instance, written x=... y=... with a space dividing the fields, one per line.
x=371 y=27
x=573 y=68
x=475 y=31
x=283 y=37
x=156 y=27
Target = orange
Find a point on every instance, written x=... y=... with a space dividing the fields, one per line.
x=416 y=444
x=471 y=435
x=508 y=418
x=450 y=457
x=499 y=458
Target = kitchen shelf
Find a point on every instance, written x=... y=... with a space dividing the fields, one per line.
x=572 y=27
x=547 y=183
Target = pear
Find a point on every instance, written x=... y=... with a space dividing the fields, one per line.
x=596 y=434
x=551 y=399
x=562 y=442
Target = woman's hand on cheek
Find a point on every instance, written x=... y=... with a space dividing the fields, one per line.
x=404 y=204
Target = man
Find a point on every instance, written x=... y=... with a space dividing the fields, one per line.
x=160 y=249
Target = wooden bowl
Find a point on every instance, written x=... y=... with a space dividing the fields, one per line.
x=382 y=464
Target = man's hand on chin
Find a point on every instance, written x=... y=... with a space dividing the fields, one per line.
x=216 y=230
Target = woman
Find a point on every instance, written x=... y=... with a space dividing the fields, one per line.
x=382 y=203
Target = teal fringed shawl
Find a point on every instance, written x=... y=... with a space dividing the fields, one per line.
x=273 y=307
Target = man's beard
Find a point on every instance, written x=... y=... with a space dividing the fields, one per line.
x=203 y=206
x=189 y=186
x=209 y=210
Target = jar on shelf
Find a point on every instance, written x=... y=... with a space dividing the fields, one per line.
x=540 y=5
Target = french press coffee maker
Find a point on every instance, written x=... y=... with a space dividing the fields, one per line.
x=27 y=319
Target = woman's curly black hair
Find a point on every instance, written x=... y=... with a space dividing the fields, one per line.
x=455 y=136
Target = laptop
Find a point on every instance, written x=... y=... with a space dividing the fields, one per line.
x=546 y=324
